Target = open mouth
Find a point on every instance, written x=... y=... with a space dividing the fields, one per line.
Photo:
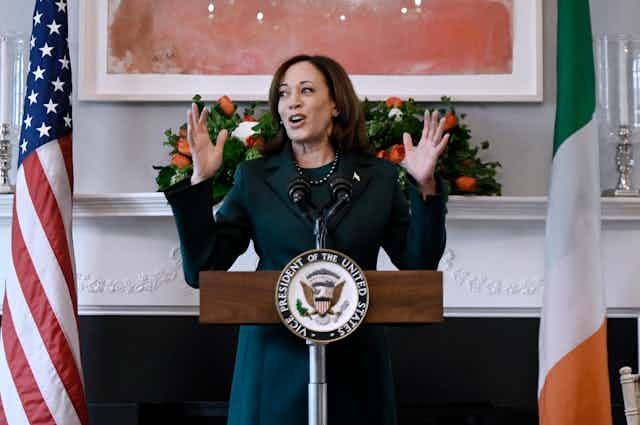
x=296 y=120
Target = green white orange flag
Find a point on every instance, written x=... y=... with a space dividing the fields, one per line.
x=573 y=385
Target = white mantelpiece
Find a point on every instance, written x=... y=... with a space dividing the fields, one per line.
x=502 y=208
x=128 y=260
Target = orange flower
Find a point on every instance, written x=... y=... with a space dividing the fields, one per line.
x=248 y=118
x=397 y=153
x=259 y=144
x=450 y=121
x=227 y=106
x=255 y=141
x=466 y=184
x=382 y=154
x=180 y=160
x=183 y=147
x=393 y=102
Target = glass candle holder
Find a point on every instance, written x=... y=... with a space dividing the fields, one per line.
x=618 y=77
x=13 y=69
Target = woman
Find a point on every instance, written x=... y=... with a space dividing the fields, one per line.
x=322 y=134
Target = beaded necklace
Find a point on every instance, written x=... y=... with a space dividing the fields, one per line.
x=322 y=179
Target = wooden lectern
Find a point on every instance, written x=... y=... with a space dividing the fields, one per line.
x=395 y=297
x=242 y=298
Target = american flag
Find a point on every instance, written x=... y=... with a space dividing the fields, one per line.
x=40 y=371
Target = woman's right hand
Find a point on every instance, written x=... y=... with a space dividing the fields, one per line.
x=207 y=158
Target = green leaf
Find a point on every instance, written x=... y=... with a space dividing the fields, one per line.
x=164 y=177
x=266 y=127
x=301 y=309
x=181 y=174
x=252 y=153
x=197 y=99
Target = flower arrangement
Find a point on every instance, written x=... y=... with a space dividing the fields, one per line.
x=460 y=167
x=462 y=170
x=247 y=134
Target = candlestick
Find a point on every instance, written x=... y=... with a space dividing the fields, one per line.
x=624 y=163
x=623 y=82
x=5 y=160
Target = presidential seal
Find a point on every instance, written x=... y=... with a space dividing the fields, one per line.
x=322 y=295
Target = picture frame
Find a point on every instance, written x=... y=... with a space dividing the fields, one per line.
x=524 y=84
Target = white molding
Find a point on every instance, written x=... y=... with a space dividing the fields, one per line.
x=497 y=208
x=142 y=204
x=133 y=204
x=531 y=208
x=142 y=282
x=481 y=284
x=475 y=312
x=491 y=208
x=137 y=310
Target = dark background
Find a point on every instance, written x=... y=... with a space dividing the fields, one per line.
x=155 y=370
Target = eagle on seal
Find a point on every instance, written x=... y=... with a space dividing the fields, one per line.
x=322 y=293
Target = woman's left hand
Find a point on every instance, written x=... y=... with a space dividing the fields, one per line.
x=420 y=160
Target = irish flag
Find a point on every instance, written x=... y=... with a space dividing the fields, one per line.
x=573 y=386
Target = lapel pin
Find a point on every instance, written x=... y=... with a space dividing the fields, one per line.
x=356 y=177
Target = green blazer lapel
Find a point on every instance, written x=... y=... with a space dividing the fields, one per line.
x=358 y=170
x=279 y=171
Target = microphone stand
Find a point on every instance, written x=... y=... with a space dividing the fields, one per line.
x=299 y=191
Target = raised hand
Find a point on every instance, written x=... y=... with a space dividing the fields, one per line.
x=420 y=160
x=207 y=158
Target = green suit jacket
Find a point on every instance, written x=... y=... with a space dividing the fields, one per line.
x=271 y=371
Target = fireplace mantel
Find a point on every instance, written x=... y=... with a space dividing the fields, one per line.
x=128 y=261
x=501 y=208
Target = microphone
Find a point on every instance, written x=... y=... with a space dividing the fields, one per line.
x=300 y=194
x=299 y=190
x=341 y=189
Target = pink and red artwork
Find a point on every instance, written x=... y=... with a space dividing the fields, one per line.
x=251 y=37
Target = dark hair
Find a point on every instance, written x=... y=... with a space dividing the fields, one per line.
x=349 y=131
